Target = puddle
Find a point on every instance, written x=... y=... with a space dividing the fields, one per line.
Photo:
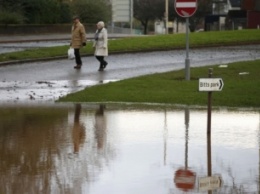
x=26 y=91
x=97 y=149
x=20 y=46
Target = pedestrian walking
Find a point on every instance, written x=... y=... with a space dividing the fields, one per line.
x=100 y=45
x=78 y=39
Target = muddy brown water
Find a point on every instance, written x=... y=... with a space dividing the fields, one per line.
x=48 y=147
x=96 y=149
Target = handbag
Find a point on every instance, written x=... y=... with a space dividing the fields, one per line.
x=71 y=53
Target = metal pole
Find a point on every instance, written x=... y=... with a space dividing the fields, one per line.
x=209 y=158
x=187 y=60
x=209 y=129
x=131 y=16
x=166 y=15
x=165 y=137
x=259 y=159
x=187 y=121
x=210 y=72
x=209 y=106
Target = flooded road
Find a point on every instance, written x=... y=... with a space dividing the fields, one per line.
x=20 y=46
x=97 y=149
x=54 y=148
x=47 y=81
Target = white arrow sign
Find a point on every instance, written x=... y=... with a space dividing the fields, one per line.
x=210 y=183
x=210 y=84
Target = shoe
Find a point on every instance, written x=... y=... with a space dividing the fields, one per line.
x=105 y=64
x=77 y=67
x=101 y=67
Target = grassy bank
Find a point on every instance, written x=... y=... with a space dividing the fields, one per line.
x=147 y=43
x=240 y=90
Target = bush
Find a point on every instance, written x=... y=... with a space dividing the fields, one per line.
x=8 y=17
x=92 y=11
x=46 y=11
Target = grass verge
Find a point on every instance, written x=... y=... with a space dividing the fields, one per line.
x=172 y=88
x=146 y=43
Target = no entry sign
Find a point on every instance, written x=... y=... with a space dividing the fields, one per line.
x=185 y=8
x=184 y=179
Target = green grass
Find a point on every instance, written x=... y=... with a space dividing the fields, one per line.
x=169 y=88
x=146 y=43
x=172 y=88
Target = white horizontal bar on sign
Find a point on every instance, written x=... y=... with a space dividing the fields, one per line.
x=185 y=4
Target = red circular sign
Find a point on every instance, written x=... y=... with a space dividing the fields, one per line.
x=184 y=179
x=185 y=8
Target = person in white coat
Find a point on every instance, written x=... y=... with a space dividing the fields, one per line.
x=100 y=45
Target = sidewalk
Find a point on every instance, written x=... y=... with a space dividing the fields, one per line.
x=51 y=37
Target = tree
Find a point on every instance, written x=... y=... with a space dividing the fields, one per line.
x=41 y=11
x=148 y=10
x=11 y=12
x=53 y=11
x=204 y=9
x=91 y=11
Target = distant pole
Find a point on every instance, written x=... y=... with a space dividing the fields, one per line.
x=187 y=60
x=166 y=15
x=131 y=16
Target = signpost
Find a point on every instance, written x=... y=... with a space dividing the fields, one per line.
x=186 y=8
x=210 y=84
x=210 y=183
x=184 y=179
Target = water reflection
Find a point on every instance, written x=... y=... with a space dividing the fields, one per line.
x=78 y=132
x=98 y=149
x=100 y=126
x=29 y=138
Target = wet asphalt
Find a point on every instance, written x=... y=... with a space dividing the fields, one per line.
x=49 y=80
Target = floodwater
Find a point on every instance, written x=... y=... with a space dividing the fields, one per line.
x=97 y=149
x=20 y=46
x=55 y=148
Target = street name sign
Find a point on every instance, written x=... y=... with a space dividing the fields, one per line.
x=121 y=10
x=210 y=183
x=210 y=84
x=185 y=8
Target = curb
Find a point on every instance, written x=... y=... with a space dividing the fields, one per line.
x=124 y=52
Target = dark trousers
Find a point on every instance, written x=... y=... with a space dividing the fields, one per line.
x=101 y=60
x=77 y=56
